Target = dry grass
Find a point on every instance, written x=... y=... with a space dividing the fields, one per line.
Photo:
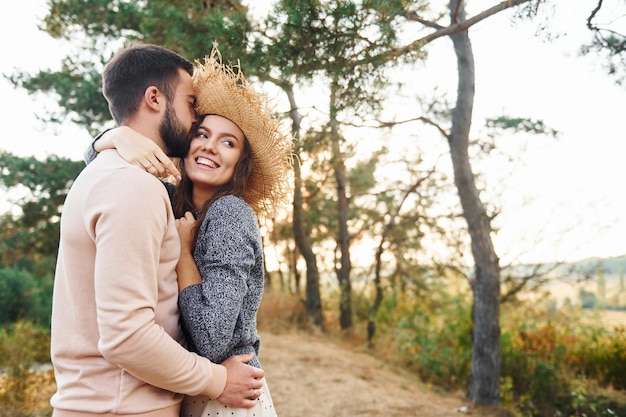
x=313 y=373
x=333 y=373
x=34 y=395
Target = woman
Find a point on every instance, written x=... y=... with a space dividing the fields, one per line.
x=236 y=169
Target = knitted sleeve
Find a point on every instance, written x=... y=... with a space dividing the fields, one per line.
x=90 y=153
x=221 y=312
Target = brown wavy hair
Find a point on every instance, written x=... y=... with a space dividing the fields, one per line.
x=182 y=200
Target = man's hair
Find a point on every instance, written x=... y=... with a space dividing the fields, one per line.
x=135 y=68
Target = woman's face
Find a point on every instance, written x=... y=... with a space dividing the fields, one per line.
x=215 y=149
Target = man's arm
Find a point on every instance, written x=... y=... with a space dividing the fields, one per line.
x=129 y=220
x=127 y=214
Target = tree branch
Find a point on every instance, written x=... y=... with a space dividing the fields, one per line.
x=446 y=31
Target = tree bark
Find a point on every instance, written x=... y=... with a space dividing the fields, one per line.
x=313 y=299
x=484 y=384
x=345 y=265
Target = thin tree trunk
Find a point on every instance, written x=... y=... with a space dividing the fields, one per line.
x=378 y=298
x=313 y=300
x=484 y=384
x=345 y=265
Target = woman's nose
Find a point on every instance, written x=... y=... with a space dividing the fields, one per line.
x=208 y=145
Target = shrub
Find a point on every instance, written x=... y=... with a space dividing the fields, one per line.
x=552 y=363
x=439 y=346
x=24 y=297
x=25 y=390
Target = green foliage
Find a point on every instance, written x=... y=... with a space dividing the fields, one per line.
x=521 y=124
x=97 y=28
x=24 y=297
x=587 y=299
x=77 y=85
x=549 y=362
x=339 y=40
x=608 y=42
x=531 y=360
x=438 y=343
x=300 y=39
x=601 y=355
x=553 y=363
x=361 y=177
x=34 y=233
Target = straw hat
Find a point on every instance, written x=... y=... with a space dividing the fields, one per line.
x=223 y=90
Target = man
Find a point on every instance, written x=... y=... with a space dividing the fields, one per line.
x=115 y=342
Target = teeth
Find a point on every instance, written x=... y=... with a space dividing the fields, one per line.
x=207 y=162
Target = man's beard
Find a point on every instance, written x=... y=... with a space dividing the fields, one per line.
x=174 y=135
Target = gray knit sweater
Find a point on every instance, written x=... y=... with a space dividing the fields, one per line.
x=220 y=314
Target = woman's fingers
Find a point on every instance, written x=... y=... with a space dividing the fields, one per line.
x=160 y=166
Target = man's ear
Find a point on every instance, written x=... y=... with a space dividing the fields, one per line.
x=153 y=98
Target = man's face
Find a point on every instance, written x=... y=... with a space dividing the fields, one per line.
x=175 y=134
x=178 y=118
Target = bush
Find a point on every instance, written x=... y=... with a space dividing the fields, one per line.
x=25 y=391
x=24 y=297
x=601 y=355
x=554 y=364
x=532 y=359
x=439 y=346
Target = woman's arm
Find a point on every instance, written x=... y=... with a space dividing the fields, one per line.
x=136 y=149
x=220 y=313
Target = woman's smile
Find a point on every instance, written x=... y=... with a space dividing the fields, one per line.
x=215 y=150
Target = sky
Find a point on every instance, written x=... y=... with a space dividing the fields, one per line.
x=565 y=200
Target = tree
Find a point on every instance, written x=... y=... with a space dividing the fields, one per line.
x=607 y=41
x=33 y=232
x=22 y=297
x=484 y=379
x=350 y=46
x=335 y=41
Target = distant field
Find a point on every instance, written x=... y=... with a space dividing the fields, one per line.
x=613 y=318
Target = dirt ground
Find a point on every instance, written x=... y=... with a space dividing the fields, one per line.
x=312 y=376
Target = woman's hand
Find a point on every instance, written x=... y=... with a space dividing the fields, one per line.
x=186 y=270
x=186 y=227
x=138 y=150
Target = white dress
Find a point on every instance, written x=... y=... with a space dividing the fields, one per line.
x=201 y=406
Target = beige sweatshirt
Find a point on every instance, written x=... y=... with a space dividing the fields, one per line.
x=115 y=333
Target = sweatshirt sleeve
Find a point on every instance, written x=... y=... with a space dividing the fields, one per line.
x=130 y=219
x=91 y=153
x=225 y=256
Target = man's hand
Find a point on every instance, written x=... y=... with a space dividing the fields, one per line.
x=243 y=382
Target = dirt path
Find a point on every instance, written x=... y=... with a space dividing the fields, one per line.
x=311 y=376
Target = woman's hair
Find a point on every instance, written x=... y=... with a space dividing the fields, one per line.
x=183 y=194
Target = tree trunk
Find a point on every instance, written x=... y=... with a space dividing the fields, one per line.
x=345 y=265
x=484 y=384
x=313 y=299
